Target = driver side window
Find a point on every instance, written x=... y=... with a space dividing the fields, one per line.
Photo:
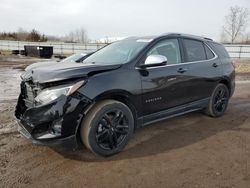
x=168 y=48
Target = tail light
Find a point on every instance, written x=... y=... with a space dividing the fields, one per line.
x=234 y=64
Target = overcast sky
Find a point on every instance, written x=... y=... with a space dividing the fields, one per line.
x=117 y=18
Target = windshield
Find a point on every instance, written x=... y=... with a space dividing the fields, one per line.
x=73 y=58
x=117 y=53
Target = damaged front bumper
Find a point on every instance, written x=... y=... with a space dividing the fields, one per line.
x=55 y=123
x=69 y=142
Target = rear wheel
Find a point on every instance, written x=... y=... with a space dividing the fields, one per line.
x=219 y=101
x=107 y=127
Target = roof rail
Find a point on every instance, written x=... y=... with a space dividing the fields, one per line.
x=208 y=38
x=187 y=35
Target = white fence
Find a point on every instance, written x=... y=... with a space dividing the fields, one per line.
x=235 y=50
x=59 y=48
x=238 y=50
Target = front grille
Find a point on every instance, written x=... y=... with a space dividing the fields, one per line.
x=29 y=92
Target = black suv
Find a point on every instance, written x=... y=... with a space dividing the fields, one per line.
x=123 y=86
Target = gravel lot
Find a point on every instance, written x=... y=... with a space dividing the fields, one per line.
x=188 y=151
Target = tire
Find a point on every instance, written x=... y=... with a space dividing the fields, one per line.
x=107 y=127
x=218 y=101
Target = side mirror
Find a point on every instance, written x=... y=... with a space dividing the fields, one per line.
x=155 y=60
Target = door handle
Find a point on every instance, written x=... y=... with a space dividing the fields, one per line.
x=215 y=65
x=182 y=70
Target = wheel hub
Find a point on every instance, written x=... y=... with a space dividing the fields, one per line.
x=114 y=129
x=220 y=100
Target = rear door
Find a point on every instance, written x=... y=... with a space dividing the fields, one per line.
x=204 y=69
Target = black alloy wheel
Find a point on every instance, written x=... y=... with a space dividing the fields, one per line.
x=112 y=129
x=218 y=101
x=107 y=127
x=221 y=100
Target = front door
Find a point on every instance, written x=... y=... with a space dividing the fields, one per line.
x=165 y=86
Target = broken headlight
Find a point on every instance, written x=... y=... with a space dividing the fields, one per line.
x=50 y=94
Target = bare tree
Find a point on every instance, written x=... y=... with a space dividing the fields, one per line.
x=78 y=35
x=236 y=22
x=22 y=34
x=83 y=35
x=34 y=36
x=247 y=39
x=70 y=37
x=223 y=37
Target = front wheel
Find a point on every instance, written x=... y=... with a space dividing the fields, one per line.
x=218 y=102
x=107 y=127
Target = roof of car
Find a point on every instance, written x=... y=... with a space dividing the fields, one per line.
x=169 y=34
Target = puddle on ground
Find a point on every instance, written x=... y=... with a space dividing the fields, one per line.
x=9 y=83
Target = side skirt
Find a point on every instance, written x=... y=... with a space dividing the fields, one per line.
x=172 y=112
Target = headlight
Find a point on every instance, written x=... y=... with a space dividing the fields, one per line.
x=50 y=94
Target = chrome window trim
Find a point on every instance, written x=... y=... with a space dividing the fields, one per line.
x=215 y=55
x=187 y=63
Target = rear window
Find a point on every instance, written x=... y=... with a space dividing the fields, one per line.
x=220 y=49
x=210 y=54
x=194 y=50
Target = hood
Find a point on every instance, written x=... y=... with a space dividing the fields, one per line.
x=40 y=64
x=63 y=71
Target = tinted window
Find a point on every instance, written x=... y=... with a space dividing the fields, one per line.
x=222 y=52
x=209 y=53
x=194 y=50
x=168 y=48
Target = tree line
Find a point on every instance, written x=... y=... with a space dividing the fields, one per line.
x=76 y=36
x=22 y=35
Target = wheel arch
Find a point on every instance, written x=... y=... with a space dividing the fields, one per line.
x=121 y=96
x=226 y=82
